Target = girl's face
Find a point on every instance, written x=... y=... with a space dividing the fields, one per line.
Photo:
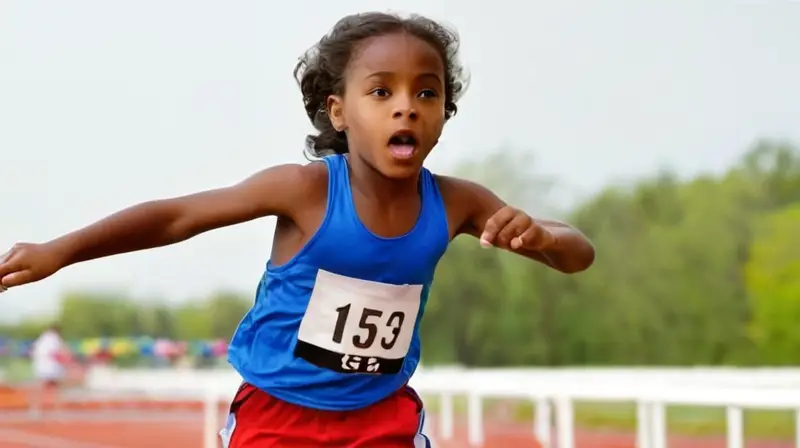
x=393 y=106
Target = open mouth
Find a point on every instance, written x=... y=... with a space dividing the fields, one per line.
x=402 y=144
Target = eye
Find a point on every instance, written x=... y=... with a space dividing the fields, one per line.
x=428 y=93
x=379 y=92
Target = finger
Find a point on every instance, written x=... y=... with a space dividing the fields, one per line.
x=17 y=278
x=536 y=237
x=495 y=224
x=512 y=230
x=7 y=264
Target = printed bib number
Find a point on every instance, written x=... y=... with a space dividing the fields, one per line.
x=358 y=326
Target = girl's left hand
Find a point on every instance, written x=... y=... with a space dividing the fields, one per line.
x=511 y=228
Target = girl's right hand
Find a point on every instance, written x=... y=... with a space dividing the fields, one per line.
x=27 y=263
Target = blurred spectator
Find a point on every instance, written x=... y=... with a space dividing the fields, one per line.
x=49 y=355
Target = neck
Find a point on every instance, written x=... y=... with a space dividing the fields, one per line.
x=371 y=183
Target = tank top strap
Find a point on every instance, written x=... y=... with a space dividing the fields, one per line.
x=429 y=190
x=338 y=183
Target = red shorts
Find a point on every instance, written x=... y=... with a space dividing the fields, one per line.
x=259 y=420
x=51 y=383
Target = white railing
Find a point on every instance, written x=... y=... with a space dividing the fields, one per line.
x=553 y=391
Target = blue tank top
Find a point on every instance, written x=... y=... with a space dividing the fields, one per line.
x=337 y=326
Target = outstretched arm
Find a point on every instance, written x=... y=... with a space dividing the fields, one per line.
x=482 y=214
x=274 y=191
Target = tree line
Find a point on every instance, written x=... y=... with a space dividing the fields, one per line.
x=697 y=271
x=90 y=314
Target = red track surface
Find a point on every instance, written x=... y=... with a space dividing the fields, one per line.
x=89 y=434
x=519 y=436
x=133 y=434
x=180 y=425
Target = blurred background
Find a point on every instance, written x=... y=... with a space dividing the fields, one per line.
x=668 y=132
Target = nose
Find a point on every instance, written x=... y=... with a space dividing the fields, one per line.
x=404 y=108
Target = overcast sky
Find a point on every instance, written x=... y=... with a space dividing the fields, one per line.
x=104 y=104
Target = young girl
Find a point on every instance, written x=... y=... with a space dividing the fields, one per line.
x=332 y=339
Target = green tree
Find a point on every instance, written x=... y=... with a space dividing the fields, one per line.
x=773 y=279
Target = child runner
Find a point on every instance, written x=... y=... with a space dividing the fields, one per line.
x=332 y=338
x=48 y=355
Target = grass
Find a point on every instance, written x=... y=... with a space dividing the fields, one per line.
x=684 y=420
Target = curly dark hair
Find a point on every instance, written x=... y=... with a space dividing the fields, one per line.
x=320 y=71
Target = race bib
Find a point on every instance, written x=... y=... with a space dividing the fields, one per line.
x=358 y=326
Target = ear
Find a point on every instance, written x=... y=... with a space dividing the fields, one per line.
x=335 y=107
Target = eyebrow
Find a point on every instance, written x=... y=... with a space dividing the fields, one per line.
x=385 y=74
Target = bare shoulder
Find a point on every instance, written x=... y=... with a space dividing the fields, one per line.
x=311 y=186
x=458 y=188
x=284 y=188
x=287 y=191
x=294 y=178
x=467 y=203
